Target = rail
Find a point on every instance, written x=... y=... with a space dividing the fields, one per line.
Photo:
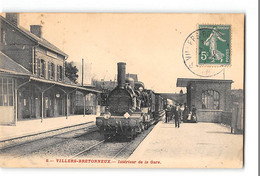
x=88 y=149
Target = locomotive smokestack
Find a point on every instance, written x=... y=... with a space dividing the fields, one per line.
x=121 y=74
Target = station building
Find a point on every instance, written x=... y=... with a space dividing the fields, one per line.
x=211 y=97
x=33 y=84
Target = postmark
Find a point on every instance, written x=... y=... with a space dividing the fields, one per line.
x=206 y=51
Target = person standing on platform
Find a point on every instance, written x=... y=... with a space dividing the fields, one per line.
x=181 y=112
x=185 y=112
x=193 y=113
x=168 y=114
x=177 y=116
x=173 y=109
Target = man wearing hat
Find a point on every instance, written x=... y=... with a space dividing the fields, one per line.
x=177 y=116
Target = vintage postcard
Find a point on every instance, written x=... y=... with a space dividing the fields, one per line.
x=122 y=90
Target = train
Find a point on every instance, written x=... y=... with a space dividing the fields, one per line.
x=130 y=108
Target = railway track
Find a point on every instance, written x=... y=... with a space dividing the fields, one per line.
x=79 y=143
x=114 y=154
x=121 y=150
x=48 y=140
x=87 y=150
x=111 y=150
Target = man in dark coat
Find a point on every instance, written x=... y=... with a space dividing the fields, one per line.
x=177 y=116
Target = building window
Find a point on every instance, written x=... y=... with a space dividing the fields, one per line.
x=6 y=92
x=210 y=99
x=38 y=67
x=59 y=72
x=43 y=68
x=51 y=70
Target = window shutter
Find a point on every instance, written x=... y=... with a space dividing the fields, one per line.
x=53 y=74
x=35 y=66
x=61 y=74
x=58 y=72
x=44 y=69
x=38 y=67
x=49 y=70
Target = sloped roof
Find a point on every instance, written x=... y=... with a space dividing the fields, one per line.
x=40 y=41
x=10 y=66
x=44 y=42
x=64 y=84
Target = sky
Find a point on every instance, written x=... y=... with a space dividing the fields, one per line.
x=150 y=44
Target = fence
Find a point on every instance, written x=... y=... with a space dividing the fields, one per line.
x=237 y=123
x=226 y=118
x=234 y=119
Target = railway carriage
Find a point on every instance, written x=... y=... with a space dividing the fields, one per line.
x=130 y=108
x=159 y=106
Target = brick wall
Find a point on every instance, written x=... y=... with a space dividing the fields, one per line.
x=41 y=53
x=21 y=49
x=16 y=46
x=209 y=115
x=224 y=90
x=204 y=115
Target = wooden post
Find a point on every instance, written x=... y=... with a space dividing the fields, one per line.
x=16 y=104
x=67 y=107
x=82 y=82
x=42 y=108
x=43 y=100
x=84 y=104
x=16 y=97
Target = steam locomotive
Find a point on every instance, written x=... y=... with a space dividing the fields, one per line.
x=130 y=108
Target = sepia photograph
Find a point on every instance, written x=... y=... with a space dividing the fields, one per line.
x=122 y=90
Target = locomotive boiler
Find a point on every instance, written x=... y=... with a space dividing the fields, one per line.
x=130 y=108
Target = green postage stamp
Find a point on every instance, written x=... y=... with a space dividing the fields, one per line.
x=214 y=45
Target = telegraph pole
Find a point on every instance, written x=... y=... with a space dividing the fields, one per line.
x=82 y=83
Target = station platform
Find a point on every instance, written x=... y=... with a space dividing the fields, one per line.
x=32 y=127
x=193 y=145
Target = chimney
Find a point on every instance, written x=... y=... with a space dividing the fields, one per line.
x=13 y=18
x=121 y=74
x=36 y=30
